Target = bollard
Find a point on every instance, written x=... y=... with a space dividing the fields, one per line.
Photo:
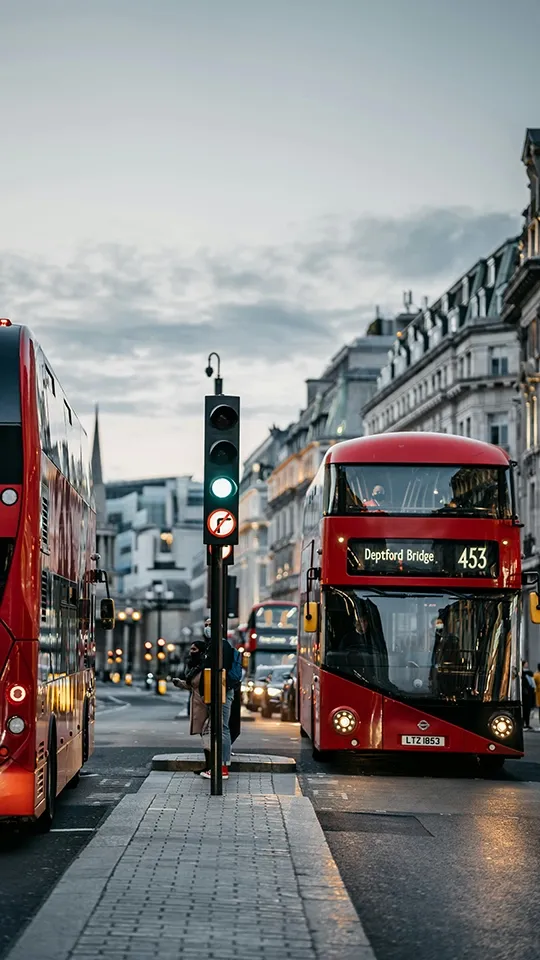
x=162 y=687
x=128 y=680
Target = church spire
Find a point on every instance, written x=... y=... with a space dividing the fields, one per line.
x=97 y=475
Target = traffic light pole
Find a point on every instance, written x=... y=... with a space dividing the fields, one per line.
x=216 y=664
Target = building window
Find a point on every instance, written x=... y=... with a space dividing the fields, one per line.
x=460 y=427
x=498 y=429
x=532 y=339
x=468 y=363
x=461 y=367
x=468 y=427
x=498 y=361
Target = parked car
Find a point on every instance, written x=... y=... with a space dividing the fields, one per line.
x=255 y=686
x=271 y=695
x=287 y=707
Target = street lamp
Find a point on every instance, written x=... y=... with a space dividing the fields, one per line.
x=126 y=616
x=158 y=597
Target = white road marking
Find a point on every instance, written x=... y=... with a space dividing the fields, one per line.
x=101 y=713
x=73 y=830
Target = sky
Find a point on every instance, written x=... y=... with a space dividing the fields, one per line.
x=179 y=177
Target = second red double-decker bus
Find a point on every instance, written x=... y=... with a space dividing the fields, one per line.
x=411 y=590
x=47 y=567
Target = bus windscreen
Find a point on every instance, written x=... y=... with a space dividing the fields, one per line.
x=274 y=625
x=421 y=490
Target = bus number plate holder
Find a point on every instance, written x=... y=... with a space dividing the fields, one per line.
x=424 y=741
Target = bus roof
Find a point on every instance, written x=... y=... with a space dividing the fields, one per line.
x=417 y=448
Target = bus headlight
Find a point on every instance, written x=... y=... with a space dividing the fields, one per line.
x=15 y=724
x=9 y=497
x=258 y=691
x=273 y=691
x=344 y=721
x=502 y=726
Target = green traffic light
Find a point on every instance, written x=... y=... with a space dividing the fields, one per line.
x=222 y=488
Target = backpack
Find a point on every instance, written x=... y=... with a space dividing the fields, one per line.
x=234 y=675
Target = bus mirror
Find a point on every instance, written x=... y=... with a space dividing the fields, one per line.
x=534 y=607
x=107 y=613
x=311 y=617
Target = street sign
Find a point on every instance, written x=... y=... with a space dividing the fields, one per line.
x=221 y=523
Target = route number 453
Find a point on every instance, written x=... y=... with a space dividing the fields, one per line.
x=473 y=558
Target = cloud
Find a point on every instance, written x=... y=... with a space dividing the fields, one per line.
x=132 y=329
x=428 y=244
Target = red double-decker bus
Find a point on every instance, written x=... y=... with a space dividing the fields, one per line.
x=47 y=604
x=411 y=590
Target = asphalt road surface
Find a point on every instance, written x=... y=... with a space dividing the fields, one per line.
x=439 y=863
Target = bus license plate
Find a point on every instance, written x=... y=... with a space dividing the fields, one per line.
x=413 y=741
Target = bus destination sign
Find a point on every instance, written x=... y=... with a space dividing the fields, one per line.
x=423 y=558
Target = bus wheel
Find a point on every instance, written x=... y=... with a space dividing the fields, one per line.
x=44 y=824
x=490 y=765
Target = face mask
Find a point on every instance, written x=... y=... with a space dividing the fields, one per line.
x=208 y=632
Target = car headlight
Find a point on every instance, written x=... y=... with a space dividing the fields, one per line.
x=15 y=724
x=502 y=726
x=344 y=721
x=274 y=691
x=258 y=690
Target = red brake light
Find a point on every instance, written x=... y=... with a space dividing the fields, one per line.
x=17 y=693
x=4 y=322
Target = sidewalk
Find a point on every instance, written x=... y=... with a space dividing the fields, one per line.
x=176 y=874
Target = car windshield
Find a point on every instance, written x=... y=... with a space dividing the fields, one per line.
x=420 y=489
x=279 y=673
x=262 y=672
x=274 y=659
x=425 y=645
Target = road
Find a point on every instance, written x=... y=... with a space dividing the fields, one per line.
x=439 y=864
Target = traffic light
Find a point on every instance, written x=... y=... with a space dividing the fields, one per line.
x=148 y=651
x=221 y=469
x=161 y=649
x=110 y=657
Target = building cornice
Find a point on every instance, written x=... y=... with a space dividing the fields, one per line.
x=448 y=345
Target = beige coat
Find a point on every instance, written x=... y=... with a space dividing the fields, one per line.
x=199 y=715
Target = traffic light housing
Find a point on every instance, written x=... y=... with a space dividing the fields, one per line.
x=161 y=649
x=221 y=470
x=148 y=655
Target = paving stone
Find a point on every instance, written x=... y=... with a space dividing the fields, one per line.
x=167 y=877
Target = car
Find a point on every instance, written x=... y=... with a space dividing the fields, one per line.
x=271 y=695
x=255 y=686
x=288 y=698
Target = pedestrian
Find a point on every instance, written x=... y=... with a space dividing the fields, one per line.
x=199 y=716
x=536 y=678
x=232 y=665
x=528 y=694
